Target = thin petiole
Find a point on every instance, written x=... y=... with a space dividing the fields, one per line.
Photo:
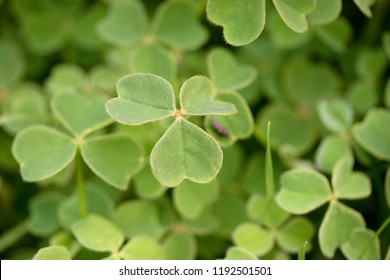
x=80 y=186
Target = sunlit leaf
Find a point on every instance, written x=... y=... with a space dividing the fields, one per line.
x=362 y=241
x=52 y=253
x=142 y=248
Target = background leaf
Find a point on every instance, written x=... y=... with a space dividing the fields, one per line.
x=360 y=239
x=325 y=11
x=98 y=234
x=336 y=115
x=52 y=253
x=142 y=98
x=199 y=154
x=242 y=21
x=142 y=248
x=42 y=152
x=180 y=246
x=12 y=63
x=238 y=253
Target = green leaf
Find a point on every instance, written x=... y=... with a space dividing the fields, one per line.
x=154 y=59
x=233 y=157
x=297 y=231
x=358 y=243
x=281 y=35
x=242 y=21
x=372 y=135
x=226 y=72
x=43 y=219
x=66 y=78
x=325 y=11
x=80 y=114
x=12 y=63
x=98 y=234
x=142 y=248
x=370 y=63
x=364 y=6
x=53 y=253
x=180 y=246
x=386 y=43
x=336 y=115
x=97 y=201
x=42 y=152
x=125 y=23
x=336 y=35
x=294 y=13
x=185 y=152
x=309 y=83
x=142 y=98
x=24 y=107
x=387 y=187
x=137 y=217
x=253 y=238
x=197 y=97
x=303 y=190
x=146 y=186
x=337 y=227
x=228 y=129
x=362 y=96
x=331 y=149
x=348 y=184
x=205 y=224
x=175 y=24
x=283 y=121
x=266 y=212
x=190 y=199
x=115 y=158
x=238 y=253
x=387 y=94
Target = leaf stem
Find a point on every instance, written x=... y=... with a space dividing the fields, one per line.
x=269 y=172
x=377 y=233
x=302 y=251
x=13 y=235
x=80 y=185
x=373 y=29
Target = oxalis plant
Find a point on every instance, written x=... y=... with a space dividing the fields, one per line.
x=194 y=129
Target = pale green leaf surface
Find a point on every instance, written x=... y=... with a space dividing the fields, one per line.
x=226 y=72
x=175 y=24
x=331 y=149
x=370 y=63
x=230 y=171
x=42 y=152
x=180 y=246
x=294 y=13
x=24 y=107
x=303 y=190
x=325 y=11
x=154 y=59
x=348 y=184
x=336 y=115
x=142 y=98
x=66 y=78
x=80 y=114
x=185 y=152
x=337 y=227
x=43 y=219
x=372 y=134
x=125 y=23
x=364 y=6
x=115 y=158
x=253 y=238
x=234 y=127
x=197 y=97
x=205 y=224
x=12 y=63
x=52 y=253
x=360 y=239
x=137 y=217
x=242 y=21
x=98 y=234
x=239 y=253
x=142 y=248
x=190 y=198
x=295 y=233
